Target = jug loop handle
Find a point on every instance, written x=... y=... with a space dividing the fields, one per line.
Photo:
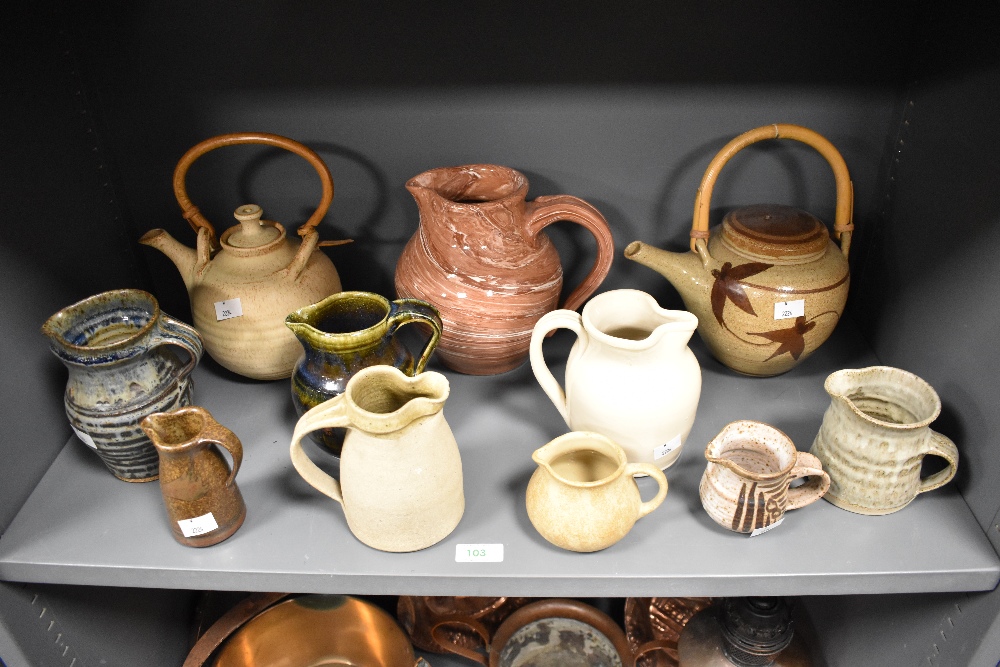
x=807 y=465
x=198 y=221
x=555 y=319
x=406 y=311
x=634 y=469
x=216 y=433
x=843 y=225
x=449 y=647
x=546 y=210
x=940 y=446
x=329 y=414
x=170 y=331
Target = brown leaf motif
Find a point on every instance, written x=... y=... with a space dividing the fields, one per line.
x=792 y=340
x=727 y=286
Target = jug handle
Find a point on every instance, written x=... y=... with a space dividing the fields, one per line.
x=941 y=446
x=329 y=414
x=545 y=210
x=556 y=319
x=405 y=311
x=843 y=224
x=807 y=465
x=198 y=221
x=217 y=434
x=476 y=626
x=634 y=469
x=170 y=331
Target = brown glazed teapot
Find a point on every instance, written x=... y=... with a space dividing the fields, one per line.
x=244 y=284
x=768 y=285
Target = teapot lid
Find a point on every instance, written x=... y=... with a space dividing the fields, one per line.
x=775 y=232
x=252 y=232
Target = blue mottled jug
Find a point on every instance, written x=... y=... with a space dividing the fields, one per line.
x=117 y=347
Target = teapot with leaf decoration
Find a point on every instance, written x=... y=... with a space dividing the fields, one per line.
x=769 y=284
x=243 y=284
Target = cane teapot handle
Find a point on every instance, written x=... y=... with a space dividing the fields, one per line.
x=843 y=224
x=194 y=216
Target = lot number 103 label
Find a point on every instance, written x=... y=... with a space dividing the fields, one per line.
x=478 y=553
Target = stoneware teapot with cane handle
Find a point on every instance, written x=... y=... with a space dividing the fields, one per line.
x=769 y=284
x=244 y=283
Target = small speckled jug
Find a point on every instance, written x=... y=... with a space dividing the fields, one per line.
x=874 y=437
x=199 y=490
x=583 y=496
x=745 y=487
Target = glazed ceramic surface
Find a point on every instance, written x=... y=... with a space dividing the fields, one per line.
x=204 y=505
x=400 y=469
x=316 y=631
x=629 y=376
x=768 y=285
x=243 y=285
x=582 y=496
x=346 y=332
x=481 y=257
x=653 y=626
x=874 y=437
x=745 y=486
x=117 y=347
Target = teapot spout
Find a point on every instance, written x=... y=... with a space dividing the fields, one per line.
x=188 y=261
x=686 y=271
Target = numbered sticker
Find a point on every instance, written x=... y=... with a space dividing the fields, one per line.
x=87 y=440
x=199 y=525
x=478 y=553
x=784 y=310
x=666 y=448
x=761 y=531
x=228 y=309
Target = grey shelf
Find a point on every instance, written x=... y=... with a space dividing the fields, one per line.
x=82 y=526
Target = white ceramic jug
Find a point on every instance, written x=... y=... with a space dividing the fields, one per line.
x=400 y=469
x=630 y=375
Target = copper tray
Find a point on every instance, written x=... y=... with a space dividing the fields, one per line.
x=653 y=626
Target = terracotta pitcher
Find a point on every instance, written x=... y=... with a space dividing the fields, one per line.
x=582 y=496
x=346 y=332
x=203 y=502
x=629 y=376
x=874 y=437
x=400 y=469
x=243 y=284
x=481 y=258
x=117 y=347
x=768 y=285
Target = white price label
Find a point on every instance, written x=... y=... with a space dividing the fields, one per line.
x=478 y=553
x=198 y=526
x=784 y=310
x=666 y=448
x=761 y=531
x=228 y=309
x=87 y=440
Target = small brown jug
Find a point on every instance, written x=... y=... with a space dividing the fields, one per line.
x=203 y=502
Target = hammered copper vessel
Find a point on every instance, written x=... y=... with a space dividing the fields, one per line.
x=653 y=626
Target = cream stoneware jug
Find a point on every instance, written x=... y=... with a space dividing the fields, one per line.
x=400 y=468
x=243 y=284
x=629 y=376
x=746 y=484
x=874 y=437
x=768 y=285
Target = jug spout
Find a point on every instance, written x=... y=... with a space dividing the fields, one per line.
x=191 y=263
x=686 y=271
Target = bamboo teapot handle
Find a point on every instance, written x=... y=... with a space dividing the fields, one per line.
x=198 y=221
x=843 y=224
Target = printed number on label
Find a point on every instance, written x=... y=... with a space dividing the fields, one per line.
x=666 y=448
x=478 y=553
x=228 y=309
x=761 y=531
x=198 y=526
x=784 y=310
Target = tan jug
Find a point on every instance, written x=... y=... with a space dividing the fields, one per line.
x=400 y=469
x=768 y=285
x=243 y=284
